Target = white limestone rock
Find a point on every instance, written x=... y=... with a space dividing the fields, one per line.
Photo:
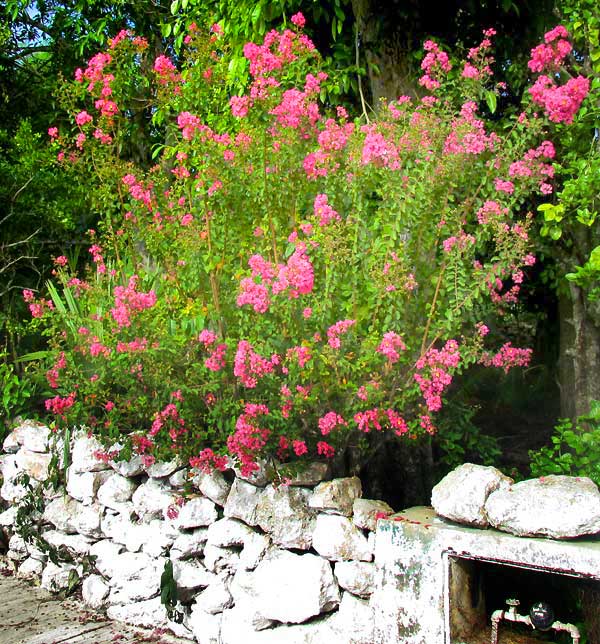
x=152 y=499
x=116 y=490
x=561 y=507
x=35 y=464
x=284 y=514
x=83 y=486
x=259 y=477
x=356 y=577
x=136 y=577
x=206 y=627
x=56 y=578
x=217 y=559
x=228 y=532
x=308 y=474
x=31 y=435
x=163 y=470
x=189 y=544
x=179 y=478
x=255 y=548
x=149 y=613
x=75 y=544
x=293 y=588
x=191 y=575
x=336 y=538
x=196 y=513
x=354 y=621
x=215 y=598
x=31 y=568
x=106 y=554
x=64 y=514
x=17 y=544
x=82 y=454
x=132 y=467
x=94 y=591
x=242 y=502
x=8 y=517
x=364 y=512
x=462 y=494
x=213 y=485
x=337 y=496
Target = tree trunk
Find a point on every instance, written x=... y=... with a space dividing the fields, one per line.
x=579 y=362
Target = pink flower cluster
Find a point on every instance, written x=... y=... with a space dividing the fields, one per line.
x=249 y=366
x=295 y=109
x=491 y=211
x=276 y=51
x=168 y=417
x=128 y=300
x=296 y=277
x=53 y=374
x=435 y=63
x=249 y=438
x=507 y=357
x=37 y=308
x=391 y=344
x=438 y=363
x=336 y=330
x=58 y=405
x=550 y=55
x=167 y=73
x=138 y=191
x=468 y=135
x=560 y=102
x=330 y=421
x=323 y=211
x=478 y=59
x=378 y=149
x=207 y=461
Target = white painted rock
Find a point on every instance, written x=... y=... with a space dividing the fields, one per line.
x=560 y=507
x=336 y=538
x=17 y=544
x=152 y=499
x=31 y=568
x=337 y=496
x=293 y=588
x=56 y=578
x=94 y=591
x=35 y=464
x=196 y=513
x=115 y=490
x=228 y=532
x=462 y=494
x=364 y=512
x=215 y=598
x=205 y=626
x=156 y=538
x=189 y=544
x=82 y=454
x=284 y=514
x=106 y=553
x=213 y=485
x=355 y=576
x=84 y=485
x=31 y=435
x=242 y=501
x=149 y=613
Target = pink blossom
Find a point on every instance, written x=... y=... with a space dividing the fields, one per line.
x=298 y=19
x=390 y=345
x=216 y=360
x=330 y=421
x=299 y=447
x=325 y=213
x=325 y=449
x=334 y=331
x=507 y=358
x=82 y=118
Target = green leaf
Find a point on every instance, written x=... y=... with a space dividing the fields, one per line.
x=174 y=6
x=492 y=101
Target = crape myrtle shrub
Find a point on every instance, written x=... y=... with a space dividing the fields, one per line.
x=286 y=282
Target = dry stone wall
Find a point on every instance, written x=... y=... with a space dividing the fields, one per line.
x=252 y=562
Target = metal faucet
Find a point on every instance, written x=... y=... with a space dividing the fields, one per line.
x=511 y=615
